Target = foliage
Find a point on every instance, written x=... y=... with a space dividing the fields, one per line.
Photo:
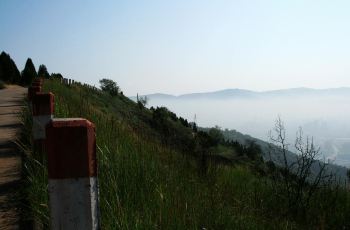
x=56 y=75
x=216 y=135
x=253 y=150
x=35 y=210
x=109 y=86
x=171 y=130
x=147 y=184
x=42 y=72
x=296 y=181
x=141 y=101
x=8 y=69
x=29 y=73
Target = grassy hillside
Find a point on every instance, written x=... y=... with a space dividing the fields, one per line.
x=156 y=172
x=339 y=171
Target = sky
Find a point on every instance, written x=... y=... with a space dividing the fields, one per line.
x=179 y=47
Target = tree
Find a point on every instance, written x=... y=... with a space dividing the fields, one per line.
x=8 y=69
x=142 y=101
x=253 y=150
x=299 y=176
x=28 y=73
x=42 y=72
x=109 y=86
x=56 y=75
x=216 y=135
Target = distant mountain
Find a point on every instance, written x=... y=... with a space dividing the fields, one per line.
x=322 y=113
x=222 y=94
x=308 y=92
x=242 y=93
x=160 y=96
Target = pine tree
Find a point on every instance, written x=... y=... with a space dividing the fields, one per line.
x=42 y=72
x=8 y=69
x=28 y=73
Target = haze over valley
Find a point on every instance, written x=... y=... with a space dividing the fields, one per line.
x=321 y=113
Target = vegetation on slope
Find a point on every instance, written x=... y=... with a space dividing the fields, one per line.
x=156 y=171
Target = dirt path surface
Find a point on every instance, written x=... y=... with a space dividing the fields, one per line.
x=10 y=162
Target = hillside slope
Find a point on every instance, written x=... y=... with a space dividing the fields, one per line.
x=234 y=135
x=156 y=171
x=319 y=112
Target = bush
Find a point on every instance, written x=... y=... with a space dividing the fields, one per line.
x=109 y=86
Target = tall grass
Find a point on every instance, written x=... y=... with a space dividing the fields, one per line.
x=144 y=185
x=34 y=192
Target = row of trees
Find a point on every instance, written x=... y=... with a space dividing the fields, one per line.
x=9 y=72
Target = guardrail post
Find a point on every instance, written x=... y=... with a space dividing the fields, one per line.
x=72 y=166
x=32 y=90
x=43 y=110
x=38 y=80
x=37 y=83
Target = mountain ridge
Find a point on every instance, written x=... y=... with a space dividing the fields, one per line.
x=244 y=93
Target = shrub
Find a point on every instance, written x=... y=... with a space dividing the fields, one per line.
x=109 y=86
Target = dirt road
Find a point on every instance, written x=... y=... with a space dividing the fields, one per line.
x=10 y=161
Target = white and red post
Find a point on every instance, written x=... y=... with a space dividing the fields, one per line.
x=72 y=171
x=32 y=90
x=43 y=109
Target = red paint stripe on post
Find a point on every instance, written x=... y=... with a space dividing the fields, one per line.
x=71 y=148
x=43 y=110
x=32 y=90
x=72 y=187
x=37 y=84
x=43 y=104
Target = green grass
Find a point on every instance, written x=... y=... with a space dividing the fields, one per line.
x=144 y=185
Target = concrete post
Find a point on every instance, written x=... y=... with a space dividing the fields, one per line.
x=32 y=90
x=43 y=110
x=39 y=80
x=72 y=166
x=37 y=83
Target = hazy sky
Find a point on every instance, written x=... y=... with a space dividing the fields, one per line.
x=184 y=46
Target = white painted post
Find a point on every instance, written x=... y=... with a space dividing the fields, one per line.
x=43 y=110
x=72 y=166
